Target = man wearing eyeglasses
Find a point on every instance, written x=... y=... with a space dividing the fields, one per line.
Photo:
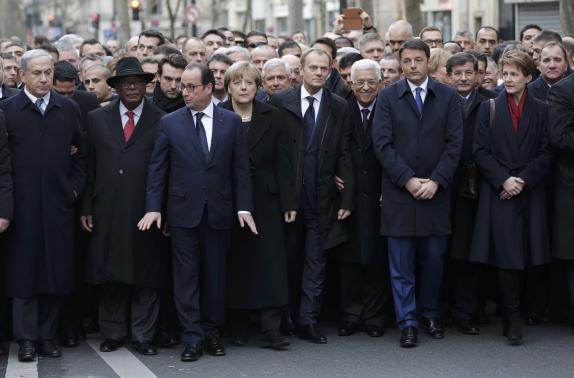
x=432 y=36
x=127 y=264
x=200 y=160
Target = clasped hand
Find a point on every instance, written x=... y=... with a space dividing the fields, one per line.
x=513 y=186
x=421 y=188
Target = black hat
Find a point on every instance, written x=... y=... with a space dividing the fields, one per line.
x=129 y=66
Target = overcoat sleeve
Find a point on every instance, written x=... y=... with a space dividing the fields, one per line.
x=538 y=168
x=283 y=169
x=6 y=199
x=79 y=159
x=241 y=179
x=158 y=170
x=561 y=121
x=345 y=165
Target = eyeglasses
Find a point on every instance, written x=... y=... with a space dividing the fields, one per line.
x=255 y=44
x=370 y=83
x=190 y=88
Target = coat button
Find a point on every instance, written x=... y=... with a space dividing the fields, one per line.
x=121 y=172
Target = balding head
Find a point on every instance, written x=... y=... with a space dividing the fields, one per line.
x=399 y=32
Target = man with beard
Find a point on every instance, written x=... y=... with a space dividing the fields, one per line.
x=167 y=93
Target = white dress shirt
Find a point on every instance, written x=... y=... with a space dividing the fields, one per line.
x=33 y=98
x=424 y=89
x=305 y=103
x=137 y=113
x=370 y=107
x=207 y=121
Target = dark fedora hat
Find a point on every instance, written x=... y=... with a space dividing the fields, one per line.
x=129 y=66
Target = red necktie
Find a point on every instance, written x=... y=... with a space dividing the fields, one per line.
x=130 y=126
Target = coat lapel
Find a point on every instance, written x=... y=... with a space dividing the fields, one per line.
x=405 y=93
x=526 y=118
x=115 y=121
x=54 y=102
x=144 y=123
x=188 y=127
x=322 y=128
x=503 y=113
x=260 y=124
x=293 y=102
x=216 y=133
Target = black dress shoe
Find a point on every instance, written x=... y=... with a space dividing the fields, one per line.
x=434 y=327
x=409 y=337
x=192 y=352
x=110 y=345
x=533 y=319
x=467 y=327
x=287 y=327
x=348 y=329
x=213 y=347
x=374 y=331
x=311 y=333
x=238 y=340
x=145 y=348
x=48 y=348
x=68 y=338
x=27 y=351
x=275 y=340
x=4 y=349
x=513 y=332
x=167 y=339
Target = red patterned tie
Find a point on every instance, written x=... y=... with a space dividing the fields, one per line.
x=129 y=127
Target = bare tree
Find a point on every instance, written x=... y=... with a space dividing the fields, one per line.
x=367 y=6
x=296 y=21
x=567 y=17
x=414 y=15
x=173 y=12
x=124 y=21
x=247 y=20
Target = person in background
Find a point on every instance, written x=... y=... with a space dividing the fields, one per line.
x=275 y=77
x=432 y=36
x=390 y=69
x=487 y=38
x=437 y=65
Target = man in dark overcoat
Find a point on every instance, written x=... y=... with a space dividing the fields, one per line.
x=39 y=258
x=417 y=134
x=6 y=212
x=127 y=263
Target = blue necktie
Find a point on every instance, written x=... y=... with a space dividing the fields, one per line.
x=39 y=102
x=201 y=135
x=309 y=118
x=419 y=99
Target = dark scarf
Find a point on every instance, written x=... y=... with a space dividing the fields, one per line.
x=516 y=110
x=168 y=105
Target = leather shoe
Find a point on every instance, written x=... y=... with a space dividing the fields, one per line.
x=348 y=329
x=287 y=327
x=145 y=348
x=434 y=328
x=409 y=337
x=166 y=339
x=4 y=348
x=192 y=352
x=213 y=347
x=275 y=340
x=27 y=351
x=238 y=340
x=68 y=338
x=311 y=333
x=467 y=327
x=533 y=319
x=110 y=345
x=48 y=348
x=374 y=331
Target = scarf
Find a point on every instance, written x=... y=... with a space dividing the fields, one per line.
x=516 y=109
x=168 y=105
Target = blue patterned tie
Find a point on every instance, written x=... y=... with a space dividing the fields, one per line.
x=202 y=136
x=39 y=102
x=419 y=99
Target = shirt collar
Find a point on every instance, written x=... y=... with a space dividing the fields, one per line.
x=33 y=98
x=208 y=111
x=137 y=111
x=370 y=107
x=317 y=96
x=423 y=85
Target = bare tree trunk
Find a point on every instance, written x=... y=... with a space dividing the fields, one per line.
x=11 y=20
x=296 y=21
x=567 y=17
x=320 y=18
x=124 y=20
x=414 y=15
x=247 y=20
x=367 y=6
x=172 y=13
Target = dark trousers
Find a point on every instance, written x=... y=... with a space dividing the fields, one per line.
x=35 y=318
x=402 y=259
x=118 y=302
x=363 y=293
x=270 y=320
x=466 y=290
x=511 y=284
x=570 y=277
x=536 y=280
x=314 y=267
x=199 y=262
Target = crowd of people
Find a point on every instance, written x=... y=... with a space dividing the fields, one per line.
x=171 y=191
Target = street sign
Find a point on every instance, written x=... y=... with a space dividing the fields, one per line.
x=192 y=14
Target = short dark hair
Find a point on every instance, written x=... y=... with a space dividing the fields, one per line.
x=166 y=50
x=89 y=42
x=40 y=40
x=488 y=28
x=51 y=49
x=529 y=26
x=288 y=44
x=348 y=60
x=499 y=50
x=220 y=58
x=547 y=36
x=479 y=55
x=329 y=42
x=152 y=33
x=254 y=33
x=174 y=60
x=215 y=32
x=348 y=42
x=429 y=28
x=414 y=44
x=65 y=71
x=459 y=59
x=206 y=74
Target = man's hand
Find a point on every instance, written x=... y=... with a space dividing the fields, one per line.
x=149 y=219
x=427 y=190
x=413 y=185
x=4 y=224
x=339 y=183
x=73 y=150
x=366 y=20
x=513 y=185
x=86 y=223
x=247 y=219
x=338 y=24
x=290 y=216
x=504 y=195
x=343 y=214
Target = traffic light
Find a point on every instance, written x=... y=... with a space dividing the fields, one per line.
x=135 y=5
x=96 y=21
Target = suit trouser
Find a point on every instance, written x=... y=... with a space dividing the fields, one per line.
x=270 y=319
x=314 y=267
x=511 y=285
x=467 y=278
x=118 y=301
x=199 y=256
x=363 y=293
x=35 y=318
x=402 y=258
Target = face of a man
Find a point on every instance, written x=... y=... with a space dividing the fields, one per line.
x=65 y=88
x=552 y=65
x=323 y=47
x=390 y=70
x=95 y=49
x=276 y=79
x=295 y=65
x=481 y=73
x=230 y=37
x=315 y=71
x=433 y=39
x=170 y=80
x=96 y=83
x=366 y=86
x=70 y=56
x=397 y=36
x=218 y=69
x=536 y=50
x=346 y=76
x=260 y=56
x=527 y=37
x=414 y=64
x=146 y=45
x=256 y=40
x=194 y=51
x=490 y=80
x=16 y=52
x=298 y=37
x=40 y=76
x=150 y=68
x=113 y=45
x=10 y=76
x=131 y=90
x=212 y=42
x=196 y=95
x=465 y=42
x=373 y=50
x=486 y=41
x=132 y=47
x=292 y=51
x=463 y=78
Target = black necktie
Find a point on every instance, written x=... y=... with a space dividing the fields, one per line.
x=365 y=118
x=309 y=118
x=200 y=131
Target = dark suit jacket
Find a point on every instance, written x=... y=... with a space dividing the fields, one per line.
x=333 y=129
x=6 y=203
x=408 y=145
x=221 y=183
x=87 y=102
x=8 y=92
x=539 y=89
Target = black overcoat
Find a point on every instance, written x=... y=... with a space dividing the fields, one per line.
x=119 y=252
x=6 y=203
x=561 y=133
x=512 y=234
x=39 y=258
x=257 y=265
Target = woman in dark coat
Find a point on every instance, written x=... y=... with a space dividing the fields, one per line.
x=511 y=230
x=257 y=265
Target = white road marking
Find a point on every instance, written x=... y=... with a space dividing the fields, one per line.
x=17 y=369
x=122 y=361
